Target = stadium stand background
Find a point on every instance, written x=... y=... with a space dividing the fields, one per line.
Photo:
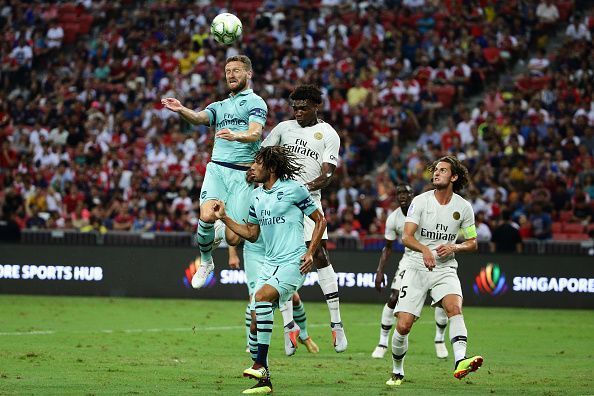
x=87 y=146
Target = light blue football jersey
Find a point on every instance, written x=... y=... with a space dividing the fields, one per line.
x=235 y=113
x=279 y=212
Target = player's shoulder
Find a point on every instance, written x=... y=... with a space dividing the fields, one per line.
x=395 y=214
x=286 y=124
x=460 y=201
x=424 y=197
x=327 y=127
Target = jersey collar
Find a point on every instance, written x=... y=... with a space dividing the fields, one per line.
x=242 y=93
x=275 y=186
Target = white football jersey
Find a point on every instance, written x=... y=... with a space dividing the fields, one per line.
x=437 y=225
x=394 y=225
x=313 y=145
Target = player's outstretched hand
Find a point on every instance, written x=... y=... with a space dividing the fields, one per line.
x=306 y=263
x=219 y=209
x=379 y=280
x=428 y=259
x=172 y=104
x=225 y=134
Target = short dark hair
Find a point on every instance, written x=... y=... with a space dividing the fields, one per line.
x=457 y=169
x=280 y=160
x=241 y=58
x=307 y=92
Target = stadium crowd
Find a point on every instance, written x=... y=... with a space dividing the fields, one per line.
x=86 y=143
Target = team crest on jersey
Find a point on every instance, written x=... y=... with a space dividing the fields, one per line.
x=456 y=215
x=318 y=135
x=279 y=195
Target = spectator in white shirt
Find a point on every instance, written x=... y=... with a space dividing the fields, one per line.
x=54 y=36
x=547 y=12
x=539 y=64
x=577 y=31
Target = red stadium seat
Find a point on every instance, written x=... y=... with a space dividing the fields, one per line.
x=578 y=237
x=559 y=236
x=573 y=228
x=565 y=215
x=557 y=227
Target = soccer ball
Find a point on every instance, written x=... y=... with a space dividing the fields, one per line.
x=226 y=28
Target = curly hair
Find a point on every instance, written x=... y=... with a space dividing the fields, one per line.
x=280 y=160
x=457 y=169
x=307 y=92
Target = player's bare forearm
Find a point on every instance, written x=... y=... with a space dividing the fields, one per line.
x=249 y=231
x=253 y=134
x=324 y=179
x=413 y=244
x=386 y=254
x=194 y=117
x=469 y=245
x=318 y=231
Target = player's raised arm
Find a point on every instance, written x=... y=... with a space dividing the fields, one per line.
x=249 y=231
x=191 y=116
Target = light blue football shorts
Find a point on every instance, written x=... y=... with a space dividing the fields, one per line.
x=286 y=279
x=229 y=186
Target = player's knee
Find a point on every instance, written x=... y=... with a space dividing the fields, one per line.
x=207 y=216
x=262 y=297
x=403 y=327
x=452 y=310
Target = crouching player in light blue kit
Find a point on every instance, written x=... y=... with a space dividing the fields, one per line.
x=276 y=211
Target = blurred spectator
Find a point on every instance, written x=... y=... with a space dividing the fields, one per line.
x=506 y=237
x=540 y=222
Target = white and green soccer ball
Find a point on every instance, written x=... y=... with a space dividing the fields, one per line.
x=226 y=28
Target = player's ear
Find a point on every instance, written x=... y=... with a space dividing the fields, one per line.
x=454 y=178
x=250 y=73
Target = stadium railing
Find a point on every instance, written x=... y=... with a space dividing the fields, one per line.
x=185 y=239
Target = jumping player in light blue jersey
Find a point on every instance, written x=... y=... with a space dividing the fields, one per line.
x=238 y=122
x=276 y=211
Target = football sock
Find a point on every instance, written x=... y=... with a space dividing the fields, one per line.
x=248 y=322
x=300 y=319
x=441 y=322
x=458 y=337
x=399 y=348
x=387 y=323
x=287 y=312
x=329 y=285
x=205 y=237
x=253 y=344
x=264 y=320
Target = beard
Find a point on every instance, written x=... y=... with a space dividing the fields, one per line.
x=440 y=186
x=241 y=84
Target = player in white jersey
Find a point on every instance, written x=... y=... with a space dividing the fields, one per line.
x=394 y=229
x=432 y=224
x=316 y=144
